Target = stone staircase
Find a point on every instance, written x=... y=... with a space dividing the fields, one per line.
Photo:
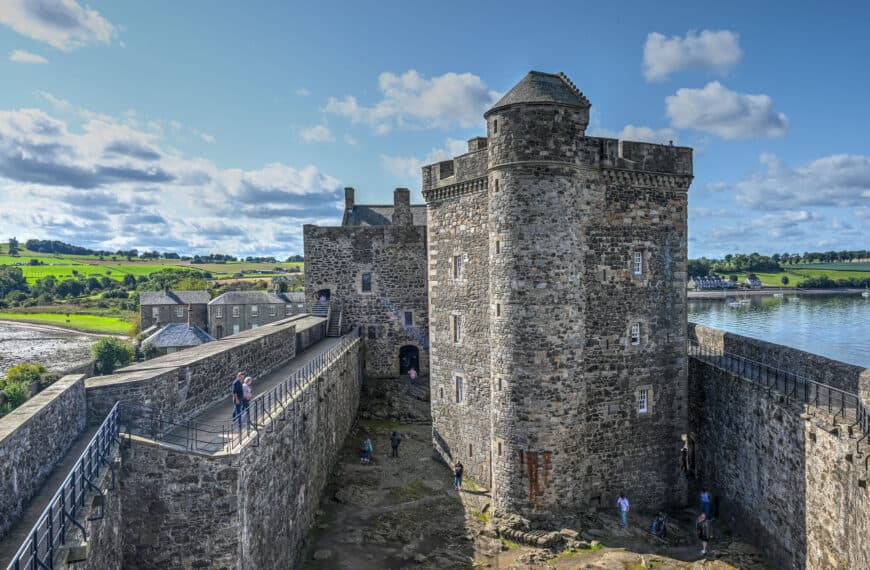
x=320 y=309
x=334 y=326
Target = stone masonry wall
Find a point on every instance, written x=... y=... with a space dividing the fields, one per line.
x=458 y=227
x=841 y=375
x=169 y=314
x=395 y=256
x=788 y=478
x=33 y=439
x=188 y=381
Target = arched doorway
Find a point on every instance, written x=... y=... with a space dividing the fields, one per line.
x=409 y=357
x=324 y=294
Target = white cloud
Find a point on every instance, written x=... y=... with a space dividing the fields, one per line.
x=711 y=49
x=21 y=56
x=303 y=92
x=839 y=180
x=207 y=138
x=409 y=167
x=317 y=133
x=640 y=134
x=62 y=24
x=410 y=100
x=717 y=110
x=350 y=140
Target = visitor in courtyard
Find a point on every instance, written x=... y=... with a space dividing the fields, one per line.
x=458 y=469
x=395 y=440
x=238 y=395
x=247 y=393
x=622 y=503
x=367 y=450
x=703 y=529
x=412 y=374
x=705 y=503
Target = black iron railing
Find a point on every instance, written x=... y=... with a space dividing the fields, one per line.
x=839 y=403
x=207 y=437
x=49 y=533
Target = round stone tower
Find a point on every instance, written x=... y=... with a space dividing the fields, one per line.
x=539 y=201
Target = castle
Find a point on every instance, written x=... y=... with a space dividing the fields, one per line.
x=555 y=267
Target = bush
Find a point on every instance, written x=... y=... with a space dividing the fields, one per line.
x=16 y=394
x=23 y=374
x=784 y=280
x=111 y=353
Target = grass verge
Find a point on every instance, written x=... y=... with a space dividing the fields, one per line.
x=92 y=323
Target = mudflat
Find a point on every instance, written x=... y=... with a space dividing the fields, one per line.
x=56 y=348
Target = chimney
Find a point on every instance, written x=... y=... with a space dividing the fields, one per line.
x=477 y=143
x=189 y=311
x=402 y=207
x=348 y=198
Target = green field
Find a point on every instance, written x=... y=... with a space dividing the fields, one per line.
x=797 y=274
x=94 y=323
x=857 y=266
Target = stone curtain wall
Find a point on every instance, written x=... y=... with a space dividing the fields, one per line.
x=848 y=377
x=180 y=509
x=188 y=381
x=281 y=481
x=789 y=479
x=33 y=439
x=336 y=258
x=458 y=226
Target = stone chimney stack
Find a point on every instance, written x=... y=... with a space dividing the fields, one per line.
x=477 y=143
x=402 y=207
x=348 y=198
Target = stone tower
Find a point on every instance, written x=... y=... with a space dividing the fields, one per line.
x=577 y=248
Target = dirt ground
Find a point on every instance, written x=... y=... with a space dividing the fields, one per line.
x=403 y=513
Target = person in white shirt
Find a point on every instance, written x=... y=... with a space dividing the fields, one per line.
x=622 y=502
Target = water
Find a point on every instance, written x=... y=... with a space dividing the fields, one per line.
x=836 y=326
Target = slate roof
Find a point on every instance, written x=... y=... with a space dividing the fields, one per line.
x=364 y=215
x=178 y=334
x=257 y=298
x=174 y=298
x=540 y=87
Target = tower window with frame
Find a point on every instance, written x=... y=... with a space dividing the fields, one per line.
x=497 y=246
x=457 y=267
x=366 y=282
x=272 y=310
x=498 y=445
x=498 y=384
x=643 y=401
x=460 y=389
x=457 y=329
x=409 y=318
x=635 y=334
x=637 y=263
x=495 y=182
x=494 y=126
x=498 y=310
x=237 y=311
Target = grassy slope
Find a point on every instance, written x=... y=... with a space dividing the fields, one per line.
x=797 y=274
x=95 y=323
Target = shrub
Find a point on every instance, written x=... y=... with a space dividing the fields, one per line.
x=135 y=326
x=23 y=374
x=16 y=393
x=784 y=280
x=111 y=353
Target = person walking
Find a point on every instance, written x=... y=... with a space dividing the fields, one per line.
x=395 y=440
x=622 y=503
x=705 y=503
x=238 y=392
x=703 y=530
x=412 y=374
x=367 y=450
x=247 y=393
x=458 y=469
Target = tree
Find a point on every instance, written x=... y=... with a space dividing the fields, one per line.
x=129 y=281
x=784 y=279
x=13 y=246
x=111 y=353
x=11 y=279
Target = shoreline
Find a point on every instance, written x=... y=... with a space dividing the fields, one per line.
x=786 y=291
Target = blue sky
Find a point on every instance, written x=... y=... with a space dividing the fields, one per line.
x=203 y=126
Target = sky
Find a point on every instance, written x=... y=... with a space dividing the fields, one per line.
x=204 y=126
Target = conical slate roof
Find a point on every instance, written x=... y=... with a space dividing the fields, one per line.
x=540 y=87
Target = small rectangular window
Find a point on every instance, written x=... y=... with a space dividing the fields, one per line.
x=496 y=184
x=179 y=311
x=498 y=309
x=409 y=319
x=498 y=383
x=219 y=312
x=236 y=312
x=441 y=393
x=635 y=333
x=373 y=332
x=288 y=310
x=497 y=246
x=499 y=448
x=494 y=126
x=638 y=263
x=643 y=401
x=460 y=395
x=457 y=328
x=272 y=311
x=255 y=311
x=155 y=313
x=366 y=282
x=470 y=450
x=457 y=267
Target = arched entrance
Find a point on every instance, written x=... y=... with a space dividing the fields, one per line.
x=324 y=294
x=409 y=357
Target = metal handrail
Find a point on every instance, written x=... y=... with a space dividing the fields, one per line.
x=49 y=532
x=840 y=403
x=226 y=436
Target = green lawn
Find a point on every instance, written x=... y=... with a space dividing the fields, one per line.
x=95 y=323
x=835 y=266
x=797 y=274
x=62 y=272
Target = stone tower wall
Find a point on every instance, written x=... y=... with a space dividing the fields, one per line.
x=336 y=258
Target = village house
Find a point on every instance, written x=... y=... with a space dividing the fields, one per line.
x=164 y=307
x=236 y=311
x=174 y=337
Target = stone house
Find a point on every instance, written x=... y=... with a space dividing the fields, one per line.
x=372 y=268
x=164 y=307
x=236 y=311
x=174 y=337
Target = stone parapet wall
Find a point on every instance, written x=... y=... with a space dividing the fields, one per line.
x=848 y=377
x=33 y=439
x=189 y=381
x=787 y=477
